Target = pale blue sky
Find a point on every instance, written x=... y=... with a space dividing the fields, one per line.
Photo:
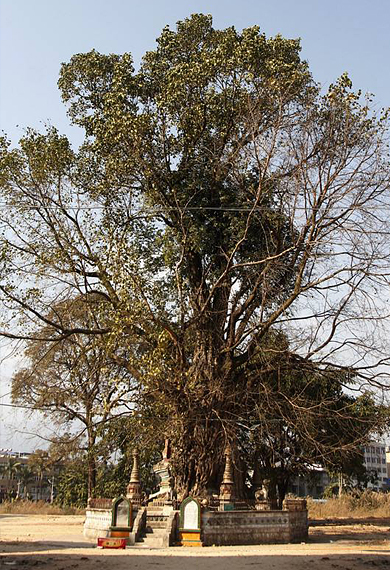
x=37 y=35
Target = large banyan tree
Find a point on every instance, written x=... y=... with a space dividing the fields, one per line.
x=226 y=223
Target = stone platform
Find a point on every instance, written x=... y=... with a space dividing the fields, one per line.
x=253 y=527
x=220 y=528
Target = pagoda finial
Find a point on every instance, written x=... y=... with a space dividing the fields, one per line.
x=226 y=490
x=134 y=477
x=134 y=486
x=228 y=473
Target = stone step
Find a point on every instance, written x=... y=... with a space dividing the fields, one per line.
x=152 y=541
x=156 y=531
x=156 y=524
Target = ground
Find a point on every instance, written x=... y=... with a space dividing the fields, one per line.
x=57 y=543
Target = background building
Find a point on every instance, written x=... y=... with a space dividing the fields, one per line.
x=375 y=464
x=11 y=481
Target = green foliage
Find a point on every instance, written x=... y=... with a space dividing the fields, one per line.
x=121 y=437
x=72 y=485
x=77 y=380
x=114 y=478
x=304 y=419
x=11 y=467
x=25 y=476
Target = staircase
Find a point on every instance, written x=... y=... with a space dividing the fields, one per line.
x=158 y=529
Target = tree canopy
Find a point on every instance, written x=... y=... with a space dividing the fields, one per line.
x=219 y=199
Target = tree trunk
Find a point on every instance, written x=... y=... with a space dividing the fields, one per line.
x=91 y=476
x=203 y=409
x=91 y=463
x=198 y=459
x=40 y=486
x=282 y=489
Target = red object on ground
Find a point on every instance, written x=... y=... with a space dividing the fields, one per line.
x=111 y=542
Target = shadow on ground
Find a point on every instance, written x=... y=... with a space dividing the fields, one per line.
x=340 y=534
x=357 y=547
x=107 y=560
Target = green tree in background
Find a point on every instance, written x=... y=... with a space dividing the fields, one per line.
x=39 y=463
x=306 y=420
x=76 y=380
x=25 y=477
x=10 y=470
x=72 y=484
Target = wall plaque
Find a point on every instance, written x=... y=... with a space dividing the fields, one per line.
x=189 y=525
x=190 y=514
x=121 y=513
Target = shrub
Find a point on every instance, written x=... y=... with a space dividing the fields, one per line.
x=365 y=504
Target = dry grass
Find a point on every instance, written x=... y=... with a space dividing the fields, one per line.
x=367 y=504
x=37 y=508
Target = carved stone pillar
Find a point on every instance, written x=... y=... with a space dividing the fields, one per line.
x=134 y=487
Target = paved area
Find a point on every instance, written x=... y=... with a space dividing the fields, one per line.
x=57 y=543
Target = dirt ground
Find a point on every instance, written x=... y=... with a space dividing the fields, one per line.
x=56 y=543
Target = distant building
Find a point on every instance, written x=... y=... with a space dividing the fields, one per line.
x=388 y=466
x=376 y=460
x=311 y=485
x=375 y=463
x=11 y=487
